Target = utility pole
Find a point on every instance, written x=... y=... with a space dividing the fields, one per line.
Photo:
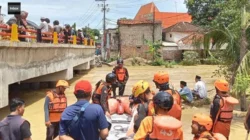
x=153 y=25
x=104 y=10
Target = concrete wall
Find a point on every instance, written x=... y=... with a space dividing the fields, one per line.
x=171 y=53
x=29 y=61
x=175 y=36
x=132 y=38
x=113 y=39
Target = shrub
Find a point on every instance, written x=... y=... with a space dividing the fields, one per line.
x=170 y=64
x=211 y=61
x=158 y=62
x=190 y=58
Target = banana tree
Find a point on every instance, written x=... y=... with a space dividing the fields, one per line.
x=237 y=55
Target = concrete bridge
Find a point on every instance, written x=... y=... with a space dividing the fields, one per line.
x=40 y=62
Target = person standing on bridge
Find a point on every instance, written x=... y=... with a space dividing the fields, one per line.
x=122 y=77
x=55 y=103
x=14 y=127
x=82 y=120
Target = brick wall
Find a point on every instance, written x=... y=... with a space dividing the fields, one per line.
x=133 y=51
x=171 y=53
x=132 y=39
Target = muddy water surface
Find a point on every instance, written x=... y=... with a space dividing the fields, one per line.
x=35 y=99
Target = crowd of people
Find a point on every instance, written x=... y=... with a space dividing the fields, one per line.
x=45 y=27
x=155 y=115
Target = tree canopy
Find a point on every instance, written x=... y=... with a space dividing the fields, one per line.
x=203 y=11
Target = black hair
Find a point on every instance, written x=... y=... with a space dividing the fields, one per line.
x=47 y=20
x=198 y=77
x=16 y=102
x=56 y=22
x=80 y=94
x=183 y=83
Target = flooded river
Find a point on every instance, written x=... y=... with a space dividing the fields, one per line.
x=35 y=99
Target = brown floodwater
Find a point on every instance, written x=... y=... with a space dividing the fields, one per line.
x=35 y=99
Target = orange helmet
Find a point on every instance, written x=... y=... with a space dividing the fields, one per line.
x=161 y=77
x=62 y=83
x=222 y=85
x=203 y=120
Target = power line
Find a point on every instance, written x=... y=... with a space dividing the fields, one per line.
x=87 y=11
x=88 y=17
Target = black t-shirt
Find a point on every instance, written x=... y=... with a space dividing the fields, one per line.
x=25 y=130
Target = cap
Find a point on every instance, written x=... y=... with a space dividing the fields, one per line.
x=62 y=83
x=197 y=77
x=183 y=83
x=83 y=85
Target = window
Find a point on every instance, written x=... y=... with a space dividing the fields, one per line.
x=170 y=35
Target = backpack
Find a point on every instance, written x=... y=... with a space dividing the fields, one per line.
x=4 y=129
x=76 y=121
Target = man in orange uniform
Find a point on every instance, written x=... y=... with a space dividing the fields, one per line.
x=160 y=126
x=55 y=103
x=122 y=77
x=201 y=126
x=161 y=80
x=221 y=110
x=102 y=92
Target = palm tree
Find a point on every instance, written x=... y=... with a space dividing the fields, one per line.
x=237 y=53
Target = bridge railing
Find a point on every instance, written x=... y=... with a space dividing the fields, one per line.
x=12 y=34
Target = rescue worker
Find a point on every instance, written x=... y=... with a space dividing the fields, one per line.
x=90 y=122
x=201 y=126
x=161 y=80
x=122 y=77
x=221 y=110
x=142 y=91
x=102 y=92
x=14 y=127
x=160 y=126
x=55 y=103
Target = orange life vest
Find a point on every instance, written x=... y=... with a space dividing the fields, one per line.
x=169 y=130
x=97 y=93
x=176 y=110
x=57 y=105
x=224 y=116
x=215 y=136
x=121 y=73
x=225 y=113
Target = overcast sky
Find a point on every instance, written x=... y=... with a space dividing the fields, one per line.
x=85 y=12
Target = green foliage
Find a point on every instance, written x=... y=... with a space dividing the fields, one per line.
x=203 y=11
x=154 y=49
x=158 y=62
x=242 y=83
x=161 y=62
x=211 y=61
x=170 y=64
x=190 y=58
x=91 y=32
x=111 y=59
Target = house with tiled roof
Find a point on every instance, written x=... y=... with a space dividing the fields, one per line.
x=179 y=37
x=168 y=19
